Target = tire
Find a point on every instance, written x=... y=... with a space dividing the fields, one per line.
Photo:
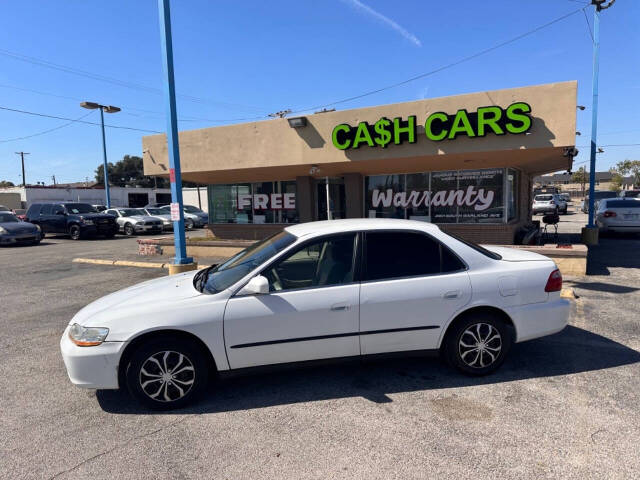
x=188 y=224
x=185 y=356
x=460 y=344
x=41 y=233
x=74 y=232
x=128 y=229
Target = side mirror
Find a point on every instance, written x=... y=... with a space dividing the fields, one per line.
x=258 y=285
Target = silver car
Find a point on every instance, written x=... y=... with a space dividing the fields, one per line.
x=135 y=220
x=618 y=215
x=163 y=215
x=193 y=216
x=548 y=203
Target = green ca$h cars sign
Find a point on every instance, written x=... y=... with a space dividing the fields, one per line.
x=439 y=126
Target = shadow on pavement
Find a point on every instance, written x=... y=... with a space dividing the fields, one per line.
x=573 y=350
x=621 y=252
x=604 y=287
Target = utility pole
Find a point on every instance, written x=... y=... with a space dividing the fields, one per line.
x=53 y=177
x=22 y=154
x=590 y=232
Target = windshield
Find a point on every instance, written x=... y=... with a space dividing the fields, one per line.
x=77 y=208
x=214 y=280
x=156 y=211
x=130 y=212
x=7 y=218
x=191 y=209
x=543 y=198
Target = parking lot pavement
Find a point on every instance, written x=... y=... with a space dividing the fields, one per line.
x=565 y=406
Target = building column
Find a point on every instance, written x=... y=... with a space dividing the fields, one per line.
x=305 y=199
x=354 y=192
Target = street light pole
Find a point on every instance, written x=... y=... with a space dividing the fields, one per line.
x=108 y=109
x=175 y=176
x=592 y=237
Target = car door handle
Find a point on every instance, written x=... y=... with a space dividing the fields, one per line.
x=339 y=306
x=451 y=295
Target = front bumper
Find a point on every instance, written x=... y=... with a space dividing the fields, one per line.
x=16 y=239
x=540 y=319
x=99 y=229
x=91 y=367
x=147 y=228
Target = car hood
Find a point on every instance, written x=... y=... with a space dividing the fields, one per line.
x=516 y=254
x=18 y=227
x=153 y=295
x=141 y=218
x=92 y=216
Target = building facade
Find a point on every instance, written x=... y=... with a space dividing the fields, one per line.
x=464 y=162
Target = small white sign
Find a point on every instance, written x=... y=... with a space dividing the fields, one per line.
x=175 y=212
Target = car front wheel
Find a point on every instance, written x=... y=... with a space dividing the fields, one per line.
x=478 y=344
x=74 y=232
x=167 y=374
x=128 y=229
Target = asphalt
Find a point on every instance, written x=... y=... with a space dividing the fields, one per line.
x=565 y=406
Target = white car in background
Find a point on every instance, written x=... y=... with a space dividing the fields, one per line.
x=160 y=214
x=331 y=289
x=549 y=203
x=618 y=215
x=135 y=220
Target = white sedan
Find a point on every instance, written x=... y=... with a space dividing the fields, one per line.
x=333 y=289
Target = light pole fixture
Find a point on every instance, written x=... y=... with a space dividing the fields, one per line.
x=297 y=122
x=108 y=109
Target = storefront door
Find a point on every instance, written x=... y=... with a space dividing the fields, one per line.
x=336 y=196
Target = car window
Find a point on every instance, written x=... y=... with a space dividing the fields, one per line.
x=191 y=209
x=406 y=254
x=46 y=210
x=156 y=211
x=622 y=204
x=320 y=263
x=543 y=198
x=112 y=212
x=57 y=209
x=7 y=217
x=34 y=210
x=79 y=208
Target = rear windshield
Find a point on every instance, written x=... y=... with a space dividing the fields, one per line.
x=477 y=248
x=601 y=195
x=623 y=203
x=544 y=198
x=632 y=193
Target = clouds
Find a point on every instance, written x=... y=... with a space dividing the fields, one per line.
x=367 y=10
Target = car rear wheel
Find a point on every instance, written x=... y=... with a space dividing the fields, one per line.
x=477 y=344
x=167 y=374
x=74 y=232
x=188 y=224
x=128 y=229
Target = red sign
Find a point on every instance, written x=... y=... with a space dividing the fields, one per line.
x=175 y=211
x=172 y=175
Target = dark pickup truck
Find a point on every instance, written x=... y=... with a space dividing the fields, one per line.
x=74 y=219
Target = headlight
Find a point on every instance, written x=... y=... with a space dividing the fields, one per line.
x=87 y=336
x=38 y=227
x=87 y=222
x=3 y=231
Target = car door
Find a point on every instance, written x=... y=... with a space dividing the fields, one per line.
x=46 y=218
x=311 y=311
x=411 y=286
x=59 y=219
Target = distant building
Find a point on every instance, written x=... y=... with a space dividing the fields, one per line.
x=565 y=183
x=93 y=194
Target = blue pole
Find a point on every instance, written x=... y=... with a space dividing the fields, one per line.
x=594 y=111
x=172 y=135
x=104 y=160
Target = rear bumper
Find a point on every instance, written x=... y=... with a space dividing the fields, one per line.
x=540 y=210
x=91 y=367
x=540 y=319
x=632 y=227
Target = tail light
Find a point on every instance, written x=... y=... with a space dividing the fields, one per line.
x=609 y=213
x=552 y=202
x=554 y=283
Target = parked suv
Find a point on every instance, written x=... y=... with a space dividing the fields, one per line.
x=549 y=203
x=75 y=219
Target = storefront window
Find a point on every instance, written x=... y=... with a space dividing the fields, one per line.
x=265 y=202
x=456 y=196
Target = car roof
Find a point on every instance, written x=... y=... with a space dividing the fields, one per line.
x=346 y=225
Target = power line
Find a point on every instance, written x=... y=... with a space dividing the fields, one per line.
x=613 y=145
x=122 y=83
x=188 y=118
x=46 y=131
x=444 y=67
x=74 y=120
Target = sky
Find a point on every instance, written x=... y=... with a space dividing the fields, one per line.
x=241 y=60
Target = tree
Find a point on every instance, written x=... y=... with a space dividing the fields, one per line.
x=130 y=172
x=6 y=183
x=581 y=177
x=630 y=167
x=616 y=180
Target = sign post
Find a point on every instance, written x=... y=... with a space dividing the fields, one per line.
x=177 y=214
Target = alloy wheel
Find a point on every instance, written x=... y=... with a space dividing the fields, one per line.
x=480 y=345
x=167 y=376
